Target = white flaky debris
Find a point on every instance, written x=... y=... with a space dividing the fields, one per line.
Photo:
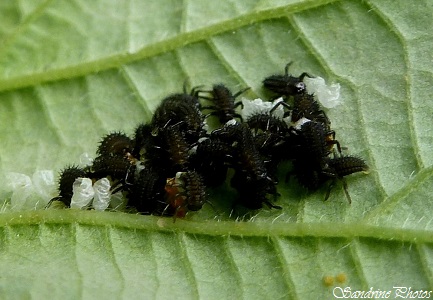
x=83 y=193
x=139 y=166
x=102 y=194
x=178 y=175
x=17 y=180
x=30 y=193
x=44 y=184
x=327 y=95
x=251 y=107
x=86 y=160
x=202 y=139
x=205 y=126
x=117 y=201
x=298 y=124
x=231 y=122
x=192 y=150
x=22 y=188
x=178 y=182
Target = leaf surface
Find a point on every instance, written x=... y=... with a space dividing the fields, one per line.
x=72 y=71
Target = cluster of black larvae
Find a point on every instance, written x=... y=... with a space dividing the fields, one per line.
x=170 y=162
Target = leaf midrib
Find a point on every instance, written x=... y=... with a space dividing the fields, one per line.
x=182 y=39
x=222 y=228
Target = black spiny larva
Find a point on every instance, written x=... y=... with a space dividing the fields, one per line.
x=115 y=144
x=182 y=109
x=169 y=151
x=312 y=176
x=245 y=158
x=66 y=180
x=254 y=192
x=305 y=106
x=267 y=122
x=315 y=141
x=251 y=175
x=286 y=84
x=147 y=192
x=346 y=165
x=167 y=166
x=339 y=167
x=211 y=160
x=190 y=196
x=142 y=139
x=116 y=167
x=308 y=173
x=311 y=146
x=270 y=138
x=223 y=101
x=193 y=189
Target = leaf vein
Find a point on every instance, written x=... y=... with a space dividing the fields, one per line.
x=23 y=26
x=121 y=282
x=184 y=38
x=354 y=250
x=422 y=252
x=187 y=264
x=286 y=269
x=394 y=29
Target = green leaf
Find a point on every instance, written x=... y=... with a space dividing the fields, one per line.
x=72 y=71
